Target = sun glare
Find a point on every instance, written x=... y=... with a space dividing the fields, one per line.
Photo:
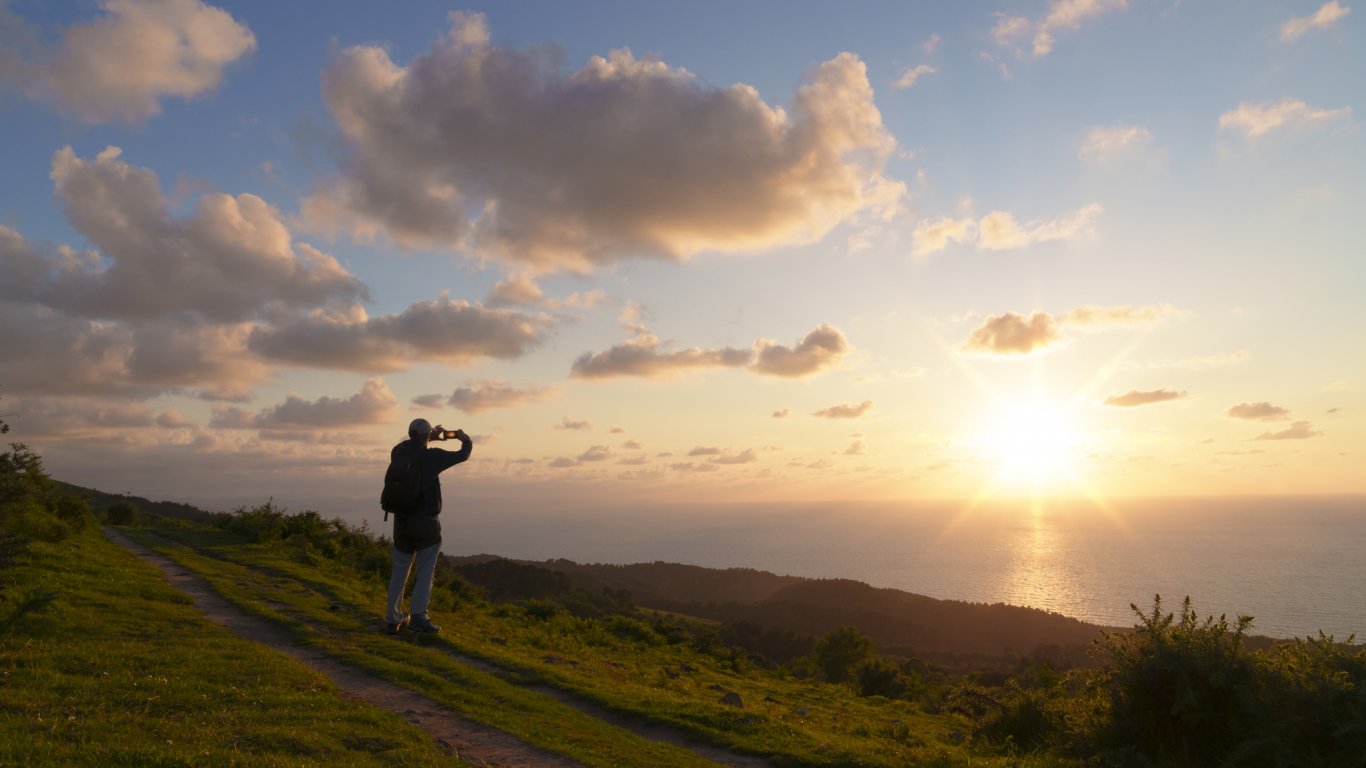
x=1031 y=443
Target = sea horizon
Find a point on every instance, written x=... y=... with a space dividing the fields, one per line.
x=1291 y=562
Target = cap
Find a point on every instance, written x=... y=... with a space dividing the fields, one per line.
x=419 y=428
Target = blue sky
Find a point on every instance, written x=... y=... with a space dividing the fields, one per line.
x=889 y=250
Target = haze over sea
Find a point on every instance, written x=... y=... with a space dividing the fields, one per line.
x=1294 y=563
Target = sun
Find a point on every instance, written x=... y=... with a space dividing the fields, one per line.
x=1031 y=443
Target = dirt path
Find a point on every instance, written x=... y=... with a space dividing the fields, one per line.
x=472 y=741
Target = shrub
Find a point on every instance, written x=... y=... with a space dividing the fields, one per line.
x=878 y=677
x=123 y=513
x=841 y=651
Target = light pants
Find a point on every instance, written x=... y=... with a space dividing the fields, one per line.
x=422 y=587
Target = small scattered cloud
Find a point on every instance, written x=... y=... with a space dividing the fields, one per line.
x=1098 y=317
x=1255 y=120
x=910 y=75
x=1300 y=430
x=429 y=401
x=747 y=456
x=932 y=235
x=643 y=356
x=596 y=453
x=120 y=66
x=633 y=445
x=488 y=395
x=573 y=424
x=564 y=462
x=855 y=449
x=1326 y=16
x=1013 y=335
x=617 y=430
x=999 y=231
x=930 y=44
x=374 y=404
x=781 y=413
x=1258 y=412
x=704 y=450
x=634 y=461
x=1135 y=397
x=844 y=410
x=1332 y=411
x=1108 y=145
x=688 y=466
x=818 y=350
x=1062 y=15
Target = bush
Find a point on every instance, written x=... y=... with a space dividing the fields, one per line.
x=878 y=677
x=1183 y=692
x=840 y=652
x=123 y=513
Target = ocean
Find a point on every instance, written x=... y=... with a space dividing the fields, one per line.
x=1296 y=564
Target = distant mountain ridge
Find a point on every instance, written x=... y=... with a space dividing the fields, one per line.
x=897 y=621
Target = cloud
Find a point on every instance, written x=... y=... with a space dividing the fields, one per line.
x=782 y=413
x=747 y=456
x=568 y=423
x=643 y=357
x=1015 y=335
x=1135 y=397
x=633 y=445
x=488 y=395
x=1255 y=120
x=703 y=450
x=564 y=462
x=1096 y=317
x=634 y=461
x=43 y=352
x=1326 y=16
x=230 y=260
x=999 y=231
x=1300 y=430
x=935 y=235
x=1258 y=412
x=76 y=417
x=855 y=449
x=445 y=330
x=1061 y=15
x=930 y=44
x=622 y=158
x=373 y=404
x=844 y=410
x=693 y=467
x=909 y=75
x=429 y=401
x=596 y=453
x=517 y=290
x=1106 y=145
x=820 y=349
x=119 y=67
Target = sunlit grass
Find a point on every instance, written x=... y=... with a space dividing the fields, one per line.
x=123 y=670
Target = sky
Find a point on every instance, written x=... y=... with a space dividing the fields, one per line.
x=690 y=252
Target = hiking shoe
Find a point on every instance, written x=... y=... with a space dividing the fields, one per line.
x=396 y=626
x=423 y=624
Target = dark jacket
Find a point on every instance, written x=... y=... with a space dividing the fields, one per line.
x=422 y=529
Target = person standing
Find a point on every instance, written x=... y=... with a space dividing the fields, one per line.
x=417 y=535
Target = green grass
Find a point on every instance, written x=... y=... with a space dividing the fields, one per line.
x=618 y=664
x=122 y=670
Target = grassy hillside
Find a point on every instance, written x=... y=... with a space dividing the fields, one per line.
x=121 y=670
x=101 y=663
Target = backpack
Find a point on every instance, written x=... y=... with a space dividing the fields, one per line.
x=402 y=494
